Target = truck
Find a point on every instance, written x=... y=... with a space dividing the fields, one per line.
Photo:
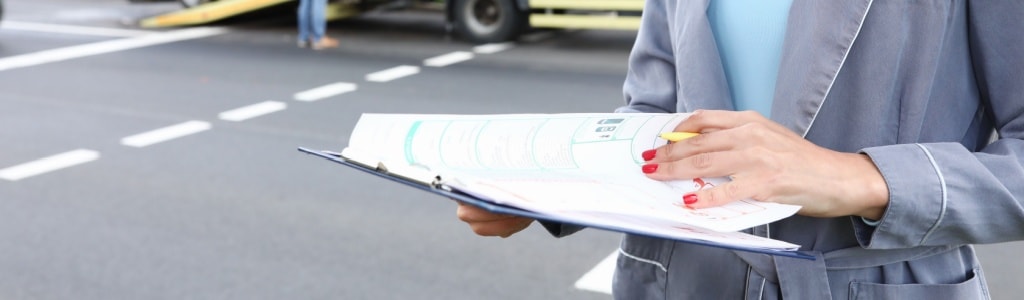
x=474 y=20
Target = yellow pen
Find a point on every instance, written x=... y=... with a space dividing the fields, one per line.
x=677 y=136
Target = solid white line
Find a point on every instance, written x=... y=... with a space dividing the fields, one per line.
x=252 y=111
x=50 y=163
x=599 y=279
x=69 y=29
x=448 y=59
x=322 y=92
x=392 y=73
x=492 y=48
x=165 y=134
x=61 y=54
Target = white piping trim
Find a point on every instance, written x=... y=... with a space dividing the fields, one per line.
x=942 y=181
x=761 y=295
x=767 y=234
x=841 y=63
x=644 y=260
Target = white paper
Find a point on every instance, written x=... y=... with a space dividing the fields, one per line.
x=567 y=165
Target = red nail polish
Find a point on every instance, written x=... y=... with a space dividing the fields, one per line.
x=690 y=198
x=650 y=168
x=649 y=154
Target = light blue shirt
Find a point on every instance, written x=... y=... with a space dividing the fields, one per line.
x=749 y=35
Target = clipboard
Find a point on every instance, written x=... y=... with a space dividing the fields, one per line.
x=435 y=187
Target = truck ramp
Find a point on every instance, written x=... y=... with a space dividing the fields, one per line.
x=223 y=9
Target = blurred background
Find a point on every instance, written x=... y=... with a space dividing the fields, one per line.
x=148 y=149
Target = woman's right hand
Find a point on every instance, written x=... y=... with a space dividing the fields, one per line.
x=486 y=223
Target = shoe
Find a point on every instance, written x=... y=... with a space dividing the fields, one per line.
x=324 y=43
x=303 y=44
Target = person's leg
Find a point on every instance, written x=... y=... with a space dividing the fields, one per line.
x=319 y=26
x=318 y=19
x=304 y=19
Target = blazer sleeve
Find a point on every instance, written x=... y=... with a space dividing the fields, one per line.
x=650 y=85
x=945 y=193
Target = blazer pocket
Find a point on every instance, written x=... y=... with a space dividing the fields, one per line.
x=642 y=267
x=972 y=288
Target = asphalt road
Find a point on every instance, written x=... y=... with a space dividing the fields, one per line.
x=231 y=210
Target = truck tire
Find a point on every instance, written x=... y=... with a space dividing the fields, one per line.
x=488 y=21
x=193 y=3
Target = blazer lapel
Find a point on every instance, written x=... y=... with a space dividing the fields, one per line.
x=819 y=35
x=699 y=72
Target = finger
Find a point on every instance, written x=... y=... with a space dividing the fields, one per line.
x=714 y=120
x=738 y=138
x=470 y=214
x=721 y=195
x=503 y=228
x=707 y=164
x=706 y=142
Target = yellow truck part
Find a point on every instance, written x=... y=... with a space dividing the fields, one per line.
x=544 y=16
x=474 y=19
x=219 y=10
x=207 y=13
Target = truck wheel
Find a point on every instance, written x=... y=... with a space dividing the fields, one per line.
x=194 y=3
x=488 y=20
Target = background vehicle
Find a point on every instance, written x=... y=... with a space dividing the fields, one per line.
x=475 y=20
x=193 y=3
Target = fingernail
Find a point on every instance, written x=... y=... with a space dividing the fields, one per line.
x=690 y=198
x=649 y=154
x=650 y=168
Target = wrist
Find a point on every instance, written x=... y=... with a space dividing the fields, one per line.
x=874 y=192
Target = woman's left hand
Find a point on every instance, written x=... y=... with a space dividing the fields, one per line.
x=770 y=163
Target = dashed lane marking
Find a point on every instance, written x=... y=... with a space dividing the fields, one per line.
x=67 y=53
x=392 y=73
x=599 y=279
x=326 y=91
x=448 y=59
x=165 y=134
x=48 y=164
x=69 y=29
x=252 y=111
x=492 y=48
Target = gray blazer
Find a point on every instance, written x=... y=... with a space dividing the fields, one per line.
x=919 y=86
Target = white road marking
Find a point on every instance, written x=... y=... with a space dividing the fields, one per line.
x=47 y=164
x=67 y=53
x=252 y=111
x=69 y=29
x=492 y=48
x=392 y=73
x=448 y=59
x=165 y=134
x=322 y=92
x=599 y=279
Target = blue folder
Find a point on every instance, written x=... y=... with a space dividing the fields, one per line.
x=504 y=209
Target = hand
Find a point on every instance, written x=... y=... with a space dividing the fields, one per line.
x=770 y=163
x=486 y=223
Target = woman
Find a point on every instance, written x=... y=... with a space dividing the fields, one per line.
x=880 y=125
x=313 y=25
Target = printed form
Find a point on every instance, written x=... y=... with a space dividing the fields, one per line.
x=583 y=166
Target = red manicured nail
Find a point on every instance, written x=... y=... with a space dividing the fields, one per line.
x=650 y=168
x=649 y=154
x=690 y=198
